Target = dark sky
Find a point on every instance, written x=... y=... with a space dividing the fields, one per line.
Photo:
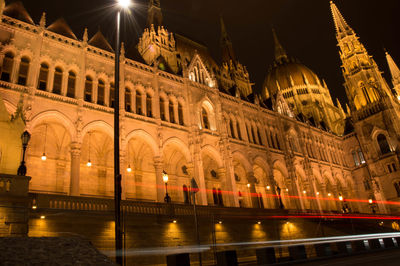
x=304 y=27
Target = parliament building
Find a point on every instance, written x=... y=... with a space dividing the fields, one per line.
x=189 y=115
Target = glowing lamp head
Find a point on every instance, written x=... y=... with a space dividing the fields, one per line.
x=370 y=201
x=268 y=187
x=129 y=169
x=304 y=192
x=220 y=222
x=287 y=190
x=34 y=207
x=258 y=222
x=398 y=97
x=248 y=185
x=329 y=194
x=317 y=193
x=341 y=198
x=124 y=3
x=89 y=163
x=42 y=217
x=165 y=177
x=174 y=221
x=44 y=157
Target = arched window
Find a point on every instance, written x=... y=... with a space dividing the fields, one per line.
x=88 y=89
x=71 y=84
x=248 y=134
x=383 y=144
x=111 y=98
x=238 y=130
x=204 y=118
x=171 y=112
x=100 y=92
x=180 y=114
x=361 y=155
x=162 y=109
x=8 y=64
x=128 y=100
x=397 y=187
x=138 y=102
x=220 y=199
x=215 y=196
x=186 y=198
x=149 y=105
x=43 y=76
x=259 y=137
x=231 y=130
x=23 y=71
x=57 y=82
x=278 y=145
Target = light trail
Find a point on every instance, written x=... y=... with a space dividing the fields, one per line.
x=271 y=243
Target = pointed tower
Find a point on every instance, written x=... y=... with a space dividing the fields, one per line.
x=228 y=53
x=154 y=16
x=280 y=53
x=363 y=80
x=395 y=72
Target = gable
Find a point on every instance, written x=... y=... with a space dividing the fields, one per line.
x=198 y=72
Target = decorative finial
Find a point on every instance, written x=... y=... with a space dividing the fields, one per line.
x=85 y=36
x=42 y=22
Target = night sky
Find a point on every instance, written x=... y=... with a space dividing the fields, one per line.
x=305 y=28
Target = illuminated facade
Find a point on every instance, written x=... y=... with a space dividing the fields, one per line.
x=185 y=114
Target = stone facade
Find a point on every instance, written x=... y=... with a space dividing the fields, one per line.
x=185 y=114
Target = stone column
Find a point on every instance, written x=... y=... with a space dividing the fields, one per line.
x=75 y=168
x=64 y=83
x=158 y=165
x=201 y=196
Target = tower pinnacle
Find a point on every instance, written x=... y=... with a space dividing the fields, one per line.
x=394 y=70
x=342 y=28
x=280 y=53
x=154 y=16
x=226 y=44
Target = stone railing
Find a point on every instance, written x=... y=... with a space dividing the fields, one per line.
x=14 y=185
x=61 y=202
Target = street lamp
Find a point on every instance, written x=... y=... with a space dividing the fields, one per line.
x=372 y=205
x=122 y=5
x=25 y=137
x=167 y=198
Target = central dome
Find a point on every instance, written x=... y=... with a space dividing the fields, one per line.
x=287 y=74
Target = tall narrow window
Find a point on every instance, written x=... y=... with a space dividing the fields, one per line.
x=162 y=109
x=383 y=144
x=111 y=97
x=57 y=82
x=259 y=137
x=215 y=196
x=248 y=134
x=355 y=158
x=43 y=76
x=149 y=105
x=254 y=135
x=231 y=130
x=260 y=201
x=8 y=64
x=171 y=112
x=88 y=89
x=397 y=187
x=100 y=92
x=128 y=100
x=186 y=194
x=180 y=114
x=220 y=199
x=238 y=130
x=23 y=71
x=278 y=145
x=205 y=120
x=71 y=84
x=361 y=155
x=138 y=102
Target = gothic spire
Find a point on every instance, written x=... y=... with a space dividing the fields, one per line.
x=394 y=70
x=226 y=44
x=154 y=16
x=280 y=53
x=342 y=28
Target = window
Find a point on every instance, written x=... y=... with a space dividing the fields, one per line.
x=149 y=105
x=361 y=155
x=43 y=77
x=238 y=130
x=255 y=140
x=205 y=120
x=171 y=112
x=23 y=71
x=231 y=131
x=100 y=92
x=383 y=144
x=397 y=187
x=260 y=201
x=220 y=200
x=71 y=84
x=259 y=137
x=277 y=142
x=8 y=64
x=180 y=114
x=215 y=196
x=111 y=98
x=57 y=83
x=128 y=100
x=248 y=134
x=389 y=168
x=367 y=185
x=394 y=167
x=162 y=109
x=186 y=198
x=138 y=103
x=88 y=89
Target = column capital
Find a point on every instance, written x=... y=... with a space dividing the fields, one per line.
x=75 y=148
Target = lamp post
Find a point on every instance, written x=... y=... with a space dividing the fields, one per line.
x=372 y=205
x=122 y=4
x=25 y=137
x=167 y=198
x=278 y=191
